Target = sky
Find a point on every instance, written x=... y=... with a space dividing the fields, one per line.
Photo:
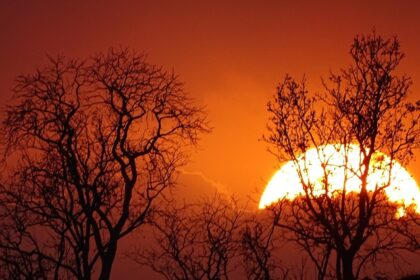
x=230 y=55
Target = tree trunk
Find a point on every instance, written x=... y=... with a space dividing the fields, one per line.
x=347 y=261
x=338 y=266
x=107 y=261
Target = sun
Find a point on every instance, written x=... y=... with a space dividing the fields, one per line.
x=342 y=165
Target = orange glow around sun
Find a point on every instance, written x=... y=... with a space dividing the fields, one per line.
x=343 y=167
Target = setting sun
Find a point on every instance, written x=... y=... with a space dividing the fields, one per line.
x=343 y=168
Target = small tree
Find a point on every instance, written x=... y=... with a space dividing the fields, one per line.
x=257 y=248
x=197 y=241
x=95 y=145
x=365 y=105
x=214 y=239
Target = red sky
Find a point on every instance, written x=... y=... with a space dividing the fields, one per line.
x=230 y=54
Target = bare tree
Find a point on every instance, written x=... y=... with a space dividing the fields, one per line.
x=214 y=239
x=195 y=241
x=258 y=244
x=93 y=145
x=365 y=105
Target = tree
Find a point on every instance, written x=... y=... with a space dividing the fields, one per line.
x=258 y=244
x=93 y=145
x=198 y=241
x=365 y=105
x=216 y=238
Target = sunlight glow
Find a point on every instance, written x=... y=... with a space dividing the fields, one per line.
x=343 y=169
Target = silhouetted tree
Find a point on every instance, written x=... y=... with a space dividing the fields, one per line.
x=258 y=245
x=214 y=239
x=93 y=145
x=365 y=105
x=198 y=241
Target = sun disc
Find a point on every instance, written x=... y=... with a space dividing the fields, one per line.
x=343 y=168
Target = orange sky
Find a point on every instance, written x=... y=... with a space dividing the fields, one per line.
x=230 y=54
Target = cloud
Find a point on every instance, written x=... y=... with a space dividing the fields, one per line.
x=220 y=187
